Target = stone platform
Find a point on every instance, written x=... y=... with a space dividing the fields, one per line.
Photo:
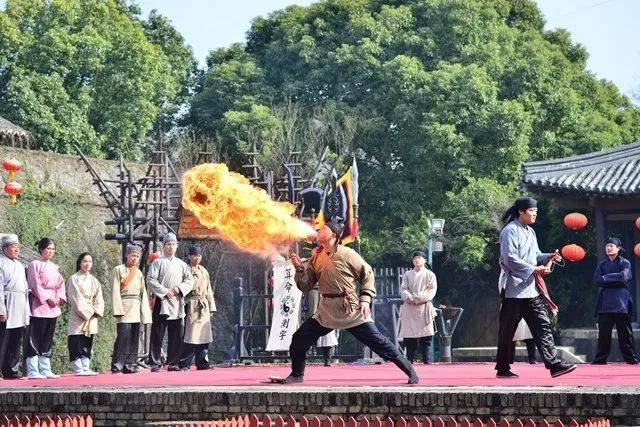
x=445 y=390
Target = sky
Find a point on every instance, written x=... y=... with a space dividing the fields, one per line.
x=609 y=29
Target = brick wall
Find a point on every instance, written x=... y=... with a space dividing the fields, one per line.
x=138 y=407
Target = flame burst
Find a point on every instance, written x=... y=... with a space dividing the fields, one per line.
x=238 y=211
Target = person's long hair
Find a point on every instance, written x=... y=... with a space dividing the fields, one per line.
x=510 y=214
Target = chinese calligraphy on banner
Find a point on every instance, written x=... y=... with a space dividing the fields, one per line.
x=286 y=307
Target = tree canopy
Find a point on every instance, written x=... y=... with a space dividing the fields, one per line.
x=452 y=96
x=90 y=73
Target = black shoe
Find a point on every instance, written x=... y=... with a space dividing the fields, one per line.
x=204 y=368
x=173 y=368
x=155 y=369
x=506 y=374
x=561 y=369
x=13 y=376
x=327 y=362
x=632 y=362
x=599 y=362
x=413 y=379
x=293 y=380
x=131 y=371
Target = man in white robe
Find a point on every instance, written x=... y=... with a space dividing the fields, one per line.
x=169 y=280
x=14 y=306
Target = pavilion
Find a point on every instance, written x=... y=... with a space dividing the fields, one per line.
x=605 y=184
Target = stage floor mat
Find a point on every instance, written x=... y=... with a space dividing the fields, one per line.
x=613 y=375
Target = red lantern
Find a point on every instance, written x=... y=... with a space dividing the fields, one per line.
x=11 y=166
x=636 y=249
x=153 y=256
x=575 y=221
x=638 y=223
x=12 y=189
x=572 y=252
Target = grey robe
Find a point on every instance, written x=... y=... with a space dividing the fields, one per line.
x=417 y=314
x=519 y=255
x=200 y=306
x=164 y=274
x=14 y=293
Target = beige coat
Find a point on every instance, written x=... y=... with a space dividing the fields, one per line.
x=417 y=314
x=338 y=273
x=164 y=274
x=200 y=306
x=130 y=304
x=86 y=304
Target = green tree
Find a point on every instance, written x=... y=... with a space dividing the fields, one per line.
x=89 y=73
x=452 y=96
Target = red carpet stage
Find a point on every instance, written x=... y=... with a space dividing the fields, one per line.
x=446 y=390
x=438 y=375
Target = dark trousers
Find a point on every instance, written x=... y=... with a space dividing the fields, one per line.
x=625 y=336
x=411 y=344
x=175 y=330
x=366 y=333
x=10 y=350
x=198 y=351
x=125 y=350
x=534 y=312
x=79 y=346
x=40 y=341
x=531 y=350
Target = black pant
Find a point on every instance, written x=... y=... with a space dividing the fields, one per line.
x=625 y=336
x=197 y=351
x=125 y=350
x=10 y=350
x=534 y=312
x=411 y=344
x=366 y=333
x=79 y=346
x=40 y=341
x=174 y=345
x=531 y=350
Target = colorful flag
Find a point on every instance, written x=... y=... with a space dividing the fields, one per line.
x=341 y=202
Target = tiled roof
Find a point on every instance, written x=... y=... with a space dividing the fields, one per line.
x=612 y=172
x=10 y=130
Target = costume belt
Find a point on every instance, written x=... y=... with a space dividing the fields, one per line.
x=130 y=296
x=346 y=304
x=16 y=291
x=202 y=307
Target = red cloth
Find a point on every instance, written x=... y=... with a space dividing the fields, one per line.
x=542 y=288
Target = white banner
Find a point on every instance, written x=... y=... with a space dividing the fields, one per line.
x=286 y=307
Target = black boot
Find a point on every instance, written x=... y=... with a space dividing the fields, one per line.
x=406 y=367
